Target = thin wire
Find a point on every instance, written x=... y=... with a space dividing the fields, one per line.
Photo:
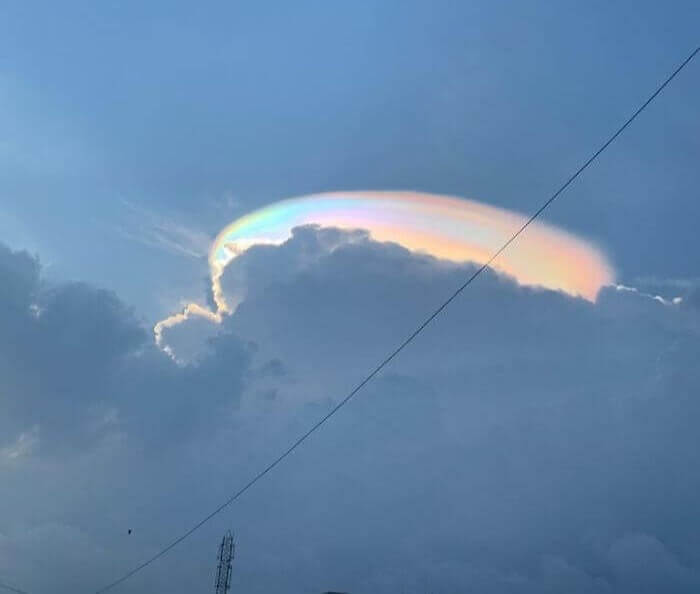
x=11 y=589
x=405 y=343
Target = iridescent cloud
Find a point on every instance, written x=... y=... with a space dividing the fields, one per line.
x=448 y=228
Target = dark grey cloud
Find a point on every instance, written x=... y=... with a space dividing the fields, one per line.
x=78 y=364
x=528 y=442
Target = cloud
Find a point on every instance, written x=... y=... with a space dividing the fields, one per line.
x=528 y=442
x=78 y=366
x=532 y=413
x=162 y=232
x=641 y=563
x=452 y=229
x=23 y=446
x=659 y=298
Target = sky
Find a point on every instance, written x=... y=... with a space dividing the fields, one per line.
x=531 y=440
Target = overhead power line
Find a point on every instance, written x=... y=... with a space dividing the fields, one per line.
x=406 y=341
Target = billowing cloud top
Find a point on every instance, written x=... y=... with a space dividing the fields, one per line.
x=448 y=228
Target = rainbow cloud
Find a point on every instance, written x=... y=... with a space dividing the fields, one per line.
x=448 y=228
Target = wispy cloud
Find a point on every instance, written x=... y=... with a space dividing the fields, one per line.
x=162 y=232
x=23 y=446
x=659 y=298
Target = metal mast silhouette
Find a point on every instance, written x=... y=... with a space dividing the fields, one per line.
x=223 y=570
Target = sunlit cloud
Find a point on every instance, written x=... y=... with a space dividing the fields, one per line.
x=448 y=228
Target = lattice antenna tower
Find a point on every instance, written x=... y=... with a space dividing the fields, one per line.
x=225 y=558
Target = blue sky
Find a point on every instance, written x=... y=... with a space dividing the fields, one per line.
x=530 y=443
x=200 y=115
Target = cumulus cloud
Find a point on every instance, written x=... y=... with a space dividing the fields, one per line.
x=77 y=364
x=529 y=442
x=449 y=228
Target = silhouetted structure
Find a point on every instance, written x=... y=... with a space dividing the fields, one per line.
x=223 y=570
